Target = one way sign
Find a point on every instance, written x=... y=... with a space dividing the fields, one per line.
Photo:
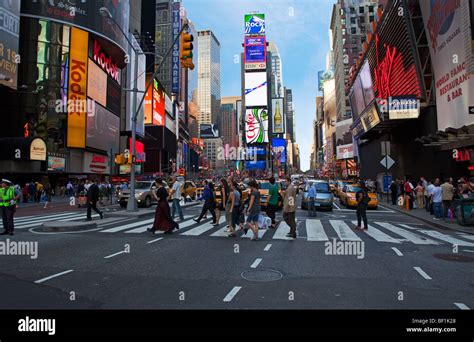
x=387 y=162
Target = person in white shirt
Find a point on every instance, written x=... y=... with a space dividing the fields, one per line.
x=437 y=195
x=429 y=193
x=176 y=196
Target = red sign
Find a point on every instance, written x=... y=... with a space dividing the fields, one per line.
x=105 y=61
x=139 y=150
x=158 y=105
x=462 y=155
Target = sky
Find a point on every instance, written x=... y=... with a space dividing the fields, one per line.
x=300 y=29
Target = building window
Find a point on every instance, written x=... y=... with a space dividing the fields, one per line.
x=362 y=20
x=353 y=40
x=164 y=16
x=371 y=18
x=371 y=9
x=362 y=29
x=362 y=40
x=352 y=9
x=343 y=22
x=355 y=50
x=353 y=20
x=343 y=32
x=353 y=30
x=361 y=10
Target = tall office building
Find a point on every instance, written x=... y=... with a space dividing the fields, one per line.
x=290 y=122
x=209 y=78
x=229 y=120
x=277 y=75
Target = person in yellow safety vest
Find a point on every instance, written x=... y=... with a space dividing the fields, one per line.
x=8 y=198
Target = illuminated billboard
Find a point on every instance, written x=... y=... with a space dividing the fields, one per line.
x=208 y=131
x=255 y=53
x=158 y=105
x=9 y=41
x=254 y=24
x=256 y=125
x=278 y=116
x=256 y=89
x=279 y=150
x=97 y=84
x=103 y=130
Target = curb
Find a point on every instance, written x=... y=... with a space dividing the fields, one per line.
x=141 y=214
x=431 y=222
x=66 y=226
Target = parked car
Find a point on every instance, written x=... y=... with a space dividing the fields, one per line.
x=347 y=197
x=143 y=194
x=324 y=196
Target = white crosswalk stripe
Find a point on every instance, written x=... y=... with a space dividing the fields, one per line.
x=281 y=232
x=199 y=230
x=146 y=226
x=447 y=238
x=127 y=226
x=378 y=235
x=467 y=236
x=39 y=220
x=409 y=235
x=261 y=233
x=343 y=231
x=315 y=231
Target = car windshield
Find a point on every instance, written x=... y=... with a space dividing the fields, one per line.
x=353 y=189
x=320 y=187
x=142 y=186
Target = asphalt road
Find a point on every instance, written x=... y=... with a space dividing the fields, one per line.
x=401 y=264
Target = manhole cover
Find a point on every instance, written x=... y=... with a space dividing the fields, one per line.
x=454 y=257
x=261 y=275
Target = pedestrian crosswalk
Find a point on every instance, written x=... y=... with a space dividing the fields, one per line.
x=35 y=221
x=311 y=230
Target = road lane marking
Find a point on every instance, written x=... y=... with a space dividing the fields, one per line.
x=155 y=240
x=417 y=240
x=315 y=231
x=467 y=236
x=267 y=247
x=343 y=231
x=115 y=254
x=337 y=207
x=256 y=263
x=221 y=232
x=232 y=293
x=378 y=235
x=407 y=226
x=397 y=251
x=467 y=250
x=447 y=238
x=39 y=221
x=53 y=276
x=422 y=273
x=462 y=306
x=43 y=217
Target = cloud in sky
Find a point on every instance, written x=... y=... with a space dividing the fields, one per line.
x=300 y=30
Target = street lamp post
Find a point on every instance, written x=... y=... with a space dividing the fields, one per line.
x=132 y=204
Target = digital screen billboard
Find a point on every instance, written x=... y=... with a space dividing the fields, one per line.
x=278 y=116
x=87 y=15
x=256 y=89
x=255 y=53
x=367 y=84
x=254 y=24
x=279 y=150
x=208 y=131
x=56 y=164
x=97 y=84
x=159 y=114
x=114 y=96
x=103 y=129
x=9 y=41
x=256 y=125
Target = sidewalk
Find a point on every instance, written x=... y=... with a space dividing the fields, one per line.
x=423 y=215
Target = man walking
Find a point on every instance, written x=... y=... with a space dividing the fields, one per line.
x=176 y=196
x=437 y=200
x=312 y=199
x=289 y=208
x=447 y=190
x=92 y=199
x=8 y=199
x=393 y=192
x=363 y=200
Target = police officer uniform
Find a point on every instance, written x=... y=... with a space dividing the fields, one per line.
x=8 y=206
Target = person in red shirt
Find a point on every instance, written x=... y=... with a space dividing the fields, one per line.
x=408 y=187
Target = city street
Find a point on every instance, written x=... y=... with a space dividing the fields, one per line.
x=402 y=263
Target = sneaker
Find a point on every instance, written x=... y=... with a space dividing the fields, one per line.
x=289 y=235
x=232 y=235
x=255 y=238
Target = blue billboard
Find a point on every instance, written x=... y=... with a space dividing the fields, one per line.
x=175 y=63
x=255 y=52
x=279 y=150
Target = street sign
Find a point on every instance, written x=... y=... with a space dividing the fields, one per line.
x=387 y=180
x=385 y=147
x=387 y=162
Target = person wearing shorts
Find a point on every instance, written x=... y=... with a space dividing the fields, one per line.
x=253 y=210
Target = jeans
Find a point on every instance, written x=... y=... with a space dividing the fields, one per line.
x=312 y=207
x=176 y=207
x=446 y=206
x=362 y=216
x=427 y=203
x=271 y=212
x=438 y=209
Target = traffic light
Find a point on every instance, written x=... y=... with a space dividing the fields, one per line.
x=131 y=159
x=119 y=159
x=186 y=51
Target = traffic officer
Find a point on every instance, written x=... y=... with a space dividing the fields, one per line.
x=8 y=198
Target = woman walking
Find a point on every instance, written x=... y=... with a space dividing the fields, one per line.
x=236 y=208
x=420 y=195
x=163 y=220
x=253 y=210
x=224 y=205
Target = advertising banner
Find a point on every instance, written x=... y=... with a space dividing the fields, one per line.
x=278 y=116
x=256 y=89
x=56 y=164
x=97 y=84
x=139 y=150
x=76 y=130
x=344 y=139
x=208 y=131
x=448 y=31
x=255 y=53
x=256 y=125
x=159 y=114
x=279 y=150
x=114 y=96
x=403 y=108
x=141 y=77
x=239 y=116
x=9 y=41
x=175 y=62
x=96 y=163
x=105 y=61
x=85 y=14
x=148 y=102
x=370 y=118
x=254 y=24
x=103 y=130
x=345 y=151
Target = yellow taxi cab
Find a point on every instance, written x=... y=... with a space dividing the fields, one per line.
x=264 y=187
x=188 y=190
x=347 y=197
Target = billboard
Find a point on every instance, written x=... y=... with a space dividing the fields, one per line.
x=76 y=123
x=9 y=41
x=103 y=130
x=345 y=151
x=256 y=89
x=256 y=125
x=344 y=139
x=255 y=56
x=449 y=40
x=56 y=164
x=323 y=76
x=139 y=150
x=158 y=105
x=278 y=116
x=141 y=85
x=403 y=108
x=96 y=163
x=85 y=14
x=97 y=84
x=208 y=131
x=175 y=62
x=279 y=150
x=254 y=24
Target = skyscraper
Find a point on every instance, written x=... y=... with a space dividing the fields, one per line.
x=229 y=120
x=277 y=75
x=289 y=114
x=209 y=78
